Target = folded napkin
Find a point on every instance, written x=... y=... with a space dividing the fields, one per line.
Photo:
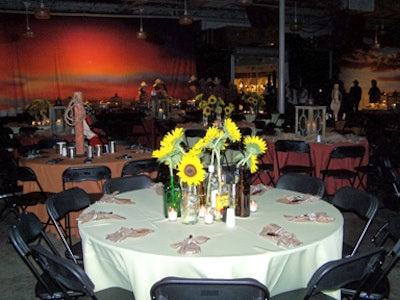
x=280 y=236
x=190 y=245
x=98 y=215
x=297 y=199
x=259 y=189
x=320 y=217
x=125 y=232
x=111 y=198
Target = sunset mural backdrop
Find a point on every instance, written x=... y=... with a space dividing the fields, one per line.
x=97 y=56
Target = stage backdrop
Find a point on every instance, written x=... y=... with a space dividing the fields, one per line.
x=97 y=56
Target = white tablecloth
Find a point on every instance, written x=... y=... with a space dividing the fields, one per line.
x=137 y=263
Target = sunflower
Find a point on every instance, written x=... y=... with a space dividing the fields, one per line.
x=255 y=145
x=252 y=163
x=163 y=153
x=232 y=130
x=212 y=100
x=207 y=111
x=174 y=138
x=229 y=109
x=212 y=134
x=191 y=170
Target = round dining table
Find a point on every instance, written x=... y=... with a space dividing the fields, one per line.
x=136 y=263
x=49 y=167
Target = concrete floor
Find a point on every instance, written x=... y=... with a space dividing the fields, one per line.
x=17 y=283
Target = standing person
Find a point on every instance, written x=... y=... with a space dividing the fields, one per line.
x=142 y=97
x=336 y=100
x=374 y=92
x=355 y=96
x=194 y=87
x=160 y=89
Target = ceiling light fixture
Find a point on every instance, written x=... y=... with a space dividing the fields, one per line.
x=141 y=34
x=185 y=19
x=376 y=44
x=296 y=25
x=28 y=32
x=244 y=3
x=42 y=12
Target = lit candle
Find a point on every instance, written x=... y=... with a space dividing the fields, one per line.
x=59 y=125
x=253 y=206
x=208 y=217
x=172 y=214
x=202 y=211
x=314 y=127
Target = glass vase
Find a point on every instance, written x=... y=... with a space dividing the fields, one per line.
x=242 y=193
x=190 y=205
x=172 y=198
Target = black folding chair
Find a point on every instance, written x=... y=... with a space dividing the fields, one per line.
x=286 y=147
x=126 y=184
x=378 y=286
x=355 y=153
x=336 y=274
x=28 y=231
x=301 y=183
x=206 y=288
x=362 y=204
x=58 y=207
x=69 y=276
x=136 y=167
x=87 y=173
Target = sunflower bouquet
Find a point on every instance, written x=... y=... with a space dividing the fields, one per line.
x=213 y=107
x=254 y=100
x=38 y=109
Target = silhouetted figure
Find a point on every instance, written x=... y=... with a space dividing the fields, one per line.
x=355 y=96
x=374 y=92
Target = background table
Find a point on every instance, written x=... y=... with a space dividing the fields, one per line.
x=137 y=263
x=50 y=176
x=319 y=157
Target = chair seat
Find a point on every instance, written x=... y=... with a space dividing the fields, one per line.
x=76 y=250
x=113 y=293
x=42 y=293
x=298 y=295
x=295 y=169
x=339 y=173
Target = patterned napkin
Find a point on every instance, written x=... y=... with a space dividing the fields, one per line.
x=94 y=215
x=125 y=232
x=280 y=236
x=320 y=217
x=297 y=199
x=111 y=198
x=190 y=245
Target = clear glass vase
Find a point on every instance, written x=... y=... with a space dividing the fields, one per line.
x=172 y=198
x=190 y=205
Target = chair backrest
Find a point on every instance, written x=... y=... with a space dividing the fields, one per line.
x=338 y=273
x=301 y=183
x=206 y=288
x=136 y=167
x=246 y=131
x=292 y=146
x=65 y=274
x=27 y=174
x=363 y=204
x=342 y=152
x=28 y=230
x=125 y=184
x=89 y=173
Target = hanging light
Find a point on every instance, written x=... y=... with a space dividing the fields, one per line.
x=42 y=12
x=28 y=32
x=244 y=3
x=376 y=44
x=296 y=25
x=141 y=34
x=185 y=19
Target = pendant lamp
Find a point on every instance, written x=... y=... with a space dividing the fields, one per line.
x=185 y=19
x=141 y=34
x=42 y=12
x=296 y=25
x=244 y=3
x=28 y=32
